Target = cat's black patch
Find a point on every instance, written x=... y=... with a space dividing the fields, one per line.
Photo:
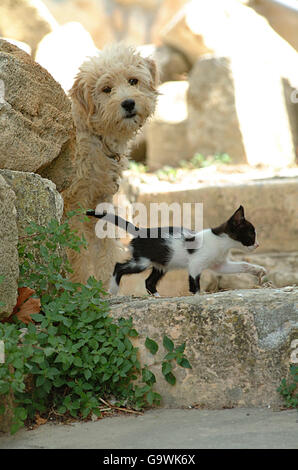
x=155 y=249
x=237 y=228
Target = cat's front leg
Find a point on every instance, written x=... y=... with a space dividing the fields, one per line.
x=233 y=267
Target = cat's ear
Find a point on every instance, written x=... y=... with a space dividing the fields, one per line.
x=238 y=216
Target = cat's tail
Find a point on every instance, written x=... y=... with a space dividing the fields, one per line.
x=116 y=220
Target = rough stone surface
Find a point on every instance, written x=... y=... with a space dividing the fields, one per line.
x=37 y=199
x=61 y=170
x=35 y=115
x=9 y=266
x=239 y=344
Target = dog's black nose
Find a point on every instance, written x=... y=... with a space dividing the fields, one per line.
x=128 y=105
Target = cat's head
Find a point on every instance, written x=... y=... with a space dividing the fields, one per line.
x=239 y=229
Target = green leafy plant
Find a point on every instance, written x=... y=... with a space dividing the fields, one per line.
x=172 y=354
x=200 y=161
x=138 y=167
x=289 y=389
x=167 y=172
x=73 y=354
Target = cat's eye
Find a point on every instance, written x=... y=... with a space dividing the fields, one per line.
x=133 y=81
x=107 y=89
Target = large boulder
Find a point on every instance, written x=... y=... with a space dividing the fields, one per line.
x=37 y=199
x=25 y=20
x=213 y=124
x=9 y=266
x=239 y=344
x=35 y=114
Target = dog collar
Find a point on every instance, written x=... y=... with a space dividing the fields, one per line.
x=107 y=151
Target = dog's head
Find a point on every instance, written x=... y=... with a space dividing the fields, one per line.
x=115 y=92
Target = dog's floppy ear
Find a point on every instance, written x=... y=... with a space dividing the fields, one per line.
x=152 y=66
x=80 y=93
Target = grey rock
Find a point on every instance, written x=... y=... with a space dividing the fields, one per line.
x=9 y=265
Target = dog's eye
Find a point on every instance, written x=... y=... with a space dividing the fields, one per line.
x=107 y=89
x=133 y=81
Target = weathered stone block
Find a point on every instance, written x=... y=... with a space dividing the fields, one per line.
x=222 y=116
x=9 y=261
x=37 y=199
x=239 y=344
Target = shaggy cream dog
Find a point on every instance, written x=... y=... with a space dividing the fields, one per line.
x=112 y=96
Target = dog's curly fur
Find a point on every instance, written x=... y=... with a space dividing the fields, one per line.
x=104 y=129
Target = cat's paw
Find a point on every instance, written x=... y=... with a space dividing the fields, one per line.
x=259 y=271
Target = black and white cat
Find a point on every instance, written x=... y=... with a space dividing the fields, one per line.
x=180 y=248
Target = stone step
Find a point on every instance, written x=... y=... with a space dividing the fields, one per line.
x=239 y=343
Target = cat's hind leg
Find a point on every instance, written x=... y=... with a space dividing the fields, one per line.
x=132 y=266
x=194 y=283
x=152 y=280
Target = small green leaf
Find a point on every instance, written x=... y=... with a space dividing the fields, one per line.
x=37 y=317
x=170 y=378
x=40 y=381
x=170 y=356
x=168 y=343
x=133 y=333
x=150 y=397
x=148 y=376
x=87 y=374
x=166 y=367
x=183 y=362
x=181 y=348
x=151 y=345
